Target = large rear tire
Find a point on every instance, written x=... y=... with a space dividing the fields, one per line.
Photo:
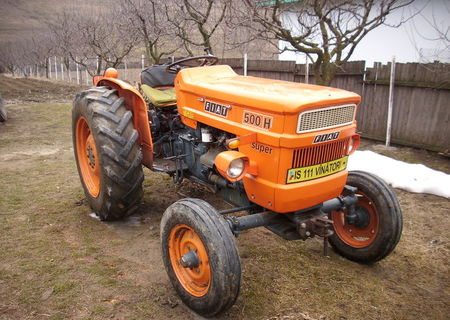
x=3 y=115
x=107 y=153
x=200 y=256
x=378 y=225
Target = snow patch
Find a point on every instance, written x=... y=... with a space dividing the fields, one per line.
x=415 y=178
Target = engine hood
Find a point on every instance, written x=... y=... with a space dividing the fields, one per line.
x=274 y=96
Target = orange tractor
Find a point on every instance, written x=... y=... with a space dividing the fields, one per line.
x=274 y=149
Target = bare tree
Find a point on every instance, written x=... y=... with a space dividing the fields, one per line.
x=326 y=31
x=147 y=19
x=436 y=20
x=42 y=48
x=21 y=56
x=104 y=36
x=8 y=57
x=196 y=21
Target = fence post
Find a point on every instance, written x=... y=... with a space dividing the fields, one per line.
x=126 y=69
x=143 y=61
x=306 y=70
x=62 y=69
x=56 y=69
x=245 y=64
x=78 y=70
x=391 y=103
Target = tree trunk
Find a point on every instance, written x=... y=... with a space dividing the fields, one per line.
x=152 y=54
x=99 y=65
x=324 y=72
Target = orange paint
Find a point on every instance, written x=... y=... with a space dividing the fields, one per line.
x=263 y=114
x=135 y=103
x=197 y=280
x=111 y=73
x=223 y=161
x=273 y=145
x=352 y=235
x=87 y=157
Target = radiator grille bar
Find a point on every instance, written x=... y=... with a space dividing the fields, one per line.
x=309 y=156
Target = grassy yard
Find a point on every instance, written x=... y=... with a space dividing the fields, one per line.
x=57 y=262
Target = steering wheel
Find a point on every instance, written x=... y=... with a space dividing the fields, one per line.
x=198 y=61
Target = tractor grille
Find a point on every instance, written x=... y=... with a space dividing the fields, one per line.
x=310 y=156
x=325 y=118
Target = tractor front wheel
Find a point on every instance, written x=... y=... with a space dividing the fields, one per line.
x=377 y=225
x=200 y=256
x=107 y=153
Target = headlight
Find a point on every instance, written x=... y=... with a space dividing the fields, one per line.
x=232 y=165
x=353 y=144
x=236 y=168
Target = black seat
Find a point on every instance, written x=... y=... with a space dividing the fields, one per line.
x=157 y=76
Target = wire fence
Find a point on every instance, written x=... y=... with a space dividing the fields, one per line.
x=58 y=68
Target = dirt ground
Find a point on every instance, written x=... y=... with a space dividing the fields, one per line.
x=58 y=262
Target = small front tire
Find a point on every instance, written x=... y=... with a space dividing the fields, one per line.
x=200 y=256
x=378 y=225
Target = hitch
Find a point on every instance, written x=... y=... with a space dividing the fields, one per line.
x=320 y=224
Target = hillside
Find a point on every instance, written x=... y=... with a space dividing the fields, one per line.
x=21 y=18
x=24 y=90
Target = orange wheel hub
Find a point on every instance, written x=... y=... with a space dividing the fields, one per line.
x=184 y=243
x=355 y=235
x=87 y=157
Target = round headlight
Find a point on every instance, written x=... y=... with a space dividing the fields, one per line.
x=353 y=144
x=350 y=145
x=236 y=168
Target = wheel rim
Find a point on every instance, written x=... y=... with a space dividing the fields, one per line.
x=87 y=157
x=195 y=280
x=351 y=234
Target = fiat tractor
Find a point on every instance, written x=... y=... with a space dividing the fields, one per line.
x=275 y=150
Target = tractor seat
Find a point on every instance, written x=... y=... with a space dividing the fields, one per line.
x=159 y=98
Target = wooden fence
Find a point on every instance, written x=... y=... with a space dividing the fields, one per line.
x=421 y=112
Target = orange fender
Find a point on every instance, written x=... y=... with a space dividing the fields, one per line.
x=137 y=105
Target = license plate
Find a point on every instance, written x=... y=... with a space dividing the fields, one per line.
x=316 y=171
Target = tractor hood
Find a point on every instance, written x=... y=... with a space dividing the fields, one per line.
x=274 y=96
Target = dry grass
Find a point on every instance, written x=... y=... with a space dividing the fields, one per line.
x=58 y=263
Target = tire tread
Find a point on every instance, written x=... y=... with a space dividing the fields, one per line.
x=120 y=154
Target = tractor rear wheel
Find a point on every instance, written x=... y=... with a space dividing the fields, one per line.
x=3 y=115
x=200 y=256
x=378 y=224
x=107 y=153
